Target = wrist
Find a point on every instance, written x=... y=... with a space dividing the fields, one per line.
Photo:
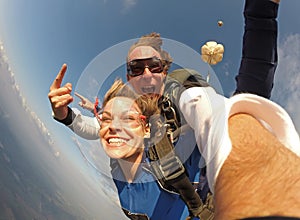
x=68 y=119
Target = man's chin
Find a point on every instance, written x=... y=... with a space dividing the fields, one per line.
x=152 y=95
x=150 y=92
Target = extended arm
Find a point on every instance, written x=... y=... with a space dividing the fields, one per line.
x=245 y=159
x=259 y=55
x=85 y=103
x=260 y=177
x=60 y=97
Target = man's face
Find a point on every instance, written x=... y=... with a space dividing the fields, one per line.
x=146 y=59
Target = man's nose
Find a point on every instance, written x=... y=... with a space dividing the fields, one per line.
x=147 y=73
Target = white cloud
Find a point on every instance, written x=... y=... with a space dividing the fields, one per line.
x=286 y=90
x=93 y=153
x=10 y=86
x=59 y=171
x=128 y=4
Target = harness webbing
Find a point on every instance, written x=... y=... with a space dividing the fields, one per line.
x=168 y=168
x=165 y=164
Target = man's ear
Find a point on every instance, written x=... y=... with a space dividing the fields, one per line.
x=147 y=131
x=165 y=72
x=127 y=77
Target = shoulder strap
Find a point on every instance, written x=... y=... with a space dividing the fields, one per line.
x=168 y=168
x=165 y=164
x=188 y=78
x=181 y=75
x=176 y=82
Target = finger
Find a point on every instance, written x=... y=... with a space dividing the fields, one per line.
x=57 y=82
x=79 y=96
x=61 y=101
x=68 y=86
x=66 y=89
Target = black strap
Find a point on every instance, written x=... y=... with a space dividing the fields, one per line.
x=135 y=216
x=168 y=168
x=165 y=164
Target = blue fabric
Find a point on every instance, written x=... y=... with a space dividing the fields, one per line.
x=146 y=196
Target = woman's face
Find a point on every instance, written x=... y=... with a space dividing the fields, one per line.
x=148 y=82
x=122 y=129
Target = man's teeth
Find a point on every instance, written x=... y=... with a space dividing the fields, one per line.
x=148 y=89
x=116 y=141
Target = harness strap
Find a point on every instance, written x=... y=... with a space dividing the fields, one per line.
x=165 y=164
x=168 y=168
x=135 y=216
x=207 y=212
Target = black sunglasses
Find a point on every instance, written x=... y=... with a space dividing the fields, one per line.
x=137 y=67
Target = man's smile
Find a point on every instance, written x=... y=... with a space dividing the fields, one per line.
x=148 y=89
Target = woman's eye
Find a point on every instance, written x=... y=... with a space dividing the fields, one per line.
x=106 y=119
x=128 y=118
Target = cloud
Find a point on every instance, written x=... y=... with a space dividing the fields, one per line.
x=94 y=155
x=99 y=162
x=12 y=101
x=286 y=90
x=128 y=4
x=50 y=174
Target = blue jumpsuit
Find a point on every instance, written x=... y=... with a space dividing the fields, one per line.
x=144 y=198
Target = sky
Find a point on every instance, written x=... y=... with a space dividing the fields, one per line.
x=40 y=176
x=37 y=37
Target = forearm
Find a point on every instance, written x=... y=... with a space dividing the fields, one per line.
x=84 y=126
x=259 y=54
x=208 y=115
x=260 y=177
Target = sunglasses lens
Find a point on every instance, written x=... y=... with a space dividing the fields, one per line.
x=155 y=66
x=137 y=67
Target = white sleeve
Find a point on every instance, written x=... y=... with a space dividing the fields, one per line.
x=207 y=113
x=85 y=126
x=272 y=116
x=204 y=110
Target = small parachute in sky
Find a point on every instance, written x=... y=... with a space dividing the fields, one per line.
x=212 y=53
x=220 y=23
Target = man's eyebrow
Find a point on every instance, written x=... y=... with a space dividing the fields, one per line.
x=145 y=59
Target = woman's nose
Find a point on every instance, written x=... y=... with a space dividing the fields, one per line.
x=115 y=125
